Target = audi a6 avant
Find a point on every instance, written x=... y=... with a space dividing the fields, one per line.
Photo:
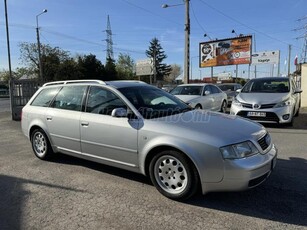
x=202 y=96
x=139 y=127
x=268 y=100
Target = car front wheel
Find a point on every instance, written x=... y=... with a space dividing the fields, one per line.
x=173 y=175
x=223 y=107
x=40 y=144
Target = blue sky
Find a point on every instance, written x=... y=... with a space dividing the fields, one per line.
x=79 y=27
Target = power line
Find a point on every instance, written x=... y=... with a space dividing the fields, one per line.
x=237 y=21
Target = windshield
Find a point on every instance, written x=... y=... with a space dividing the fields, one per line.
x=187 y=90
x=153 y=102
x=227 y=87
x=267 y=86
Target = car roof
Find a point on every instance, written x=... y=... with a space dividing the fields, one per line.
x=124 y=84
x=271 y=78
x=229 y=83
x=195 y=84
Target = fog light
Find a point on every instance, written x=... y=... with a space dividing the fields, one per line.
x=286 y=116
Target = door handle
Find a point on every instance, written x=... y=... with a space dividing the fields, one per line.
x=84 y=124
x=49 y=118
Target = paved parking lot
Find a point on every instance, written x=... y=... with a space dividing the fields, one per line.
x=68 y=193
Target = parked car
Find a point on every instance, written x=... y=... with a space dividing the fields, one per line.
x=268 y=100
x=141 y=128
x=231 y=90
x=202 y=96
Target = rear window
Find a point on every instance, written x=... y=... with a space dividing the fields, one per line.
x=45 y=97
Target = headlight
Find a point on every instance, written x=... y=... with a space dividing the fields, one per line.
x=236 y=102
x=283 y=103
x=237 y=151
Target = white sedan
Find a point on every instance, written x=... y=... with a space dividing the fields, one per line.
x=202 y=96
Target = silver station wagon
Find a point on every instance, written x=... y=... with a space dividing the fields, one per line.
x=141 y=128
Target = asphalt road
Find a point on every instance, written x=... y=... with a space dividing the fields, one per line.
x=69 y=193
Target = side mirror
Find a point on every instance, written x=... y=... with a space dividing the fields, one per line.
x=238 y=90
x=119 y=112
x=207 y=93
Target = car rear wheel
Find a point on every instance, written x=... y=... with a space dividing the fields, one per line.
x=173 y=175
x=223 y=107
x=41 y=145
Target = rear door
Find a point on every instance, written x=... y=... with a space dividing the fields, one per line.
x=63 y=118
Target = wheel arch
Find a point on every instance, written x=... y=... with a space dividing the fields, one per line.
x=161 y=148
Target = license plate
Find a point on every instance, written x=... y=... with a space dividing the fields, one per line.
x=256 y=114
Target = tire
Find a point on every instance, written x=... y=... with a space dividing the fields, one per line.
x=198 y=106
x=173 y=175
x=41 y=145
x=223 y=107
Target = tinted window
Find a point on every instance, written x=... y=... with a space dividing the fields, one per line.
x=70 y=98
x=152 y=102
x=45 y=97
x=187 y=90
x=214 y=89
x=207 y=88
x=102 y=101
x=267 y=86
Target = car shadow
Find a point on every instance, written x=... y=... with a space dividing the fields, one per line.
x=70 y=160
x=281 y=198
x=13 y=197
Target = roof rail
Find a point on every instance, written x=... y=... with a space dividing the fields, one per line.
x=74 y=82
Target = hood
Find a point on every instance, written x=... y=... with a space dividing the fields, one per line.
x=187 y=98
x=262 y=98
x=217 y=129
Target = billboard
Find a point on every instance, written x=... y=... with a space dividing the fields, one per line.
x=266 y=57
x=144 y=67
x=231 y=51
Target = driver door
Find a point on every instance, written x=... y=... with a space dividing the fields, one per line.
x=108 y=138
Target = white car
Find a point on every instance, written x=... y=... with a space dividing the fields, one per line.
x=268 y=100
x=202 y=96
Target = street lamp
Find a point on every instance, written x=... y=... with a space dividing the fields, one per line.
x=39 y=46
x=186 y=76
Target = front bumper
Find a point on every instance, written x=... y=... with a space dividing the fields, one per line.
x=242 y=174
x=272 y=115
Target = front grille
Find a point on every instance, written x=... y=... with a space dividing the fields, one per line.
x=264 y=142
x=245 y=105
x=263 y=106
x=270 y=117
x=267 y=106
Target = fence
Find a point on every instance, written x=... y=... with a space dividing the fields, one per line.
x=22 y=91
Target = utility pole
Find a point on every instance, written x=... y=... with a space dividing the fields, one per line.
x=303 y=58
x=289 y=57
x=39 y=47
x=187 y=43
x=9 y=58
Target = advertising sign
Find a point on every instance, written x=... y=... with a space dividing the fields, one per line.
x=266 y=57
x=144 y=67
x=232 y=51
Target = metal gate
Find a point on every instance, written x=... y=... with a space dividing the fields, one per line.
x=21 y=92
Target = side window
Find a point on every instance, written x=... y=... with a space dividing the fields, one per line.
x=69 y=98
x=207 y=88
x=103 y=101
x=45 y=97
x=214 y=89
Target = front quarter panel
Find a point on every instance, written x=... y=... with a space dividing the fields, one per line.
x=206 y=158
